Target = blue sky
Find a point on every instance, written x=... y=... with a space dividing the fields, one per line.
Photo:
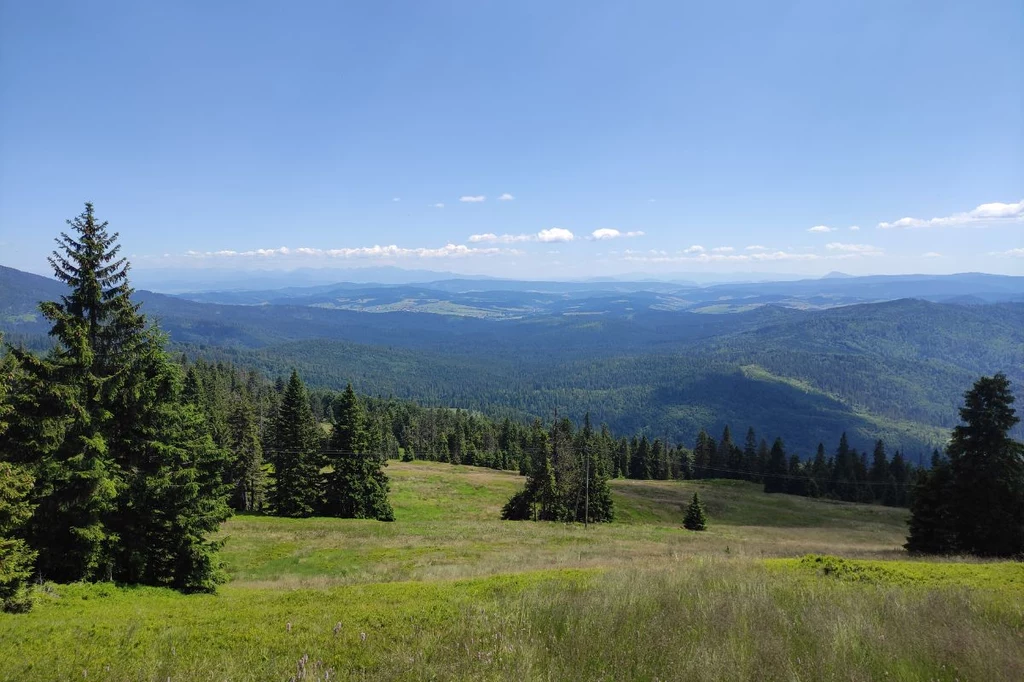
x=330 y=134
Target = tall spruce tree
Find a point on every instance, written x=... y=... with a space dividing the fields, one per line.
x=988 y=472
x=762 y=458
x=750 y=456
x=878 y=475
x=775 y=476
x=640 y=461
x=246 y=471
x=123 y=489
x=819 y=470
x=899 y=473
x=703 y=454
x=356 y=487
x=296 y=456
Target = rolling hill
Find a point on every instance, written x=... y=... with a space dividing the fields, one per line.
x=894 y=369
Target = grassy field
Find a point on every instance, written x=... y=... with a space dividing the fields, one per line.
x=450 y=592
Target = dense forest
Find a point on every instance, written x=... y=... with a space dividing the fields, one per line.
x=887 y=370
x=119 y=460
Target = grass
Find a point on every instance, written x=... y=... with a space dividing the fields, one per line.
x=449 y=592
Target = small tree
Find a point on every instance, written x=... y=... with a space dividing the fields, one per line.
x=695 y=518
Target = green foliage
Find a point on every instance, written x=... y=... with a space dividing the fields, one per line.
x=453 y=593
x=568 y=482
x=974 y=502
x=988 y=472
x=1007 y=577
x=356 y=486
x=127 y=483
x=245 y=476
x=777 y=471
x=695 y=518
x=296 y=454
x=931 y=521
x=16 y=558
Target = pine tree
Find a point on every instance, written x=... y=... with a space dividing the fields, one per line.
x=175 y=498
x=819 y=469
x=623 y=456
x=296 y=454
x=899 y=473
x=797 y=482
x=775 y=476
x=695 y=518
x=356 y=487
x=750 y=456
x=843 y=471
x=639 y=465
x=762 y=459
x=246 y=471
x=879 y=472
x=931 y=514
x=122 y=489
x=988 y=472
x=703 y=454
x=16 y=558
x=597 y=505
x=730 y=457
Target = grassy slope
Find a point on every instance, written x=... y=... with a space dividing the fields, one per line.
x=448 y=591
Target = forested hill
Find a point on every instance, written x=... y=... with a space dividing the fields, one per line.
x=895 y=370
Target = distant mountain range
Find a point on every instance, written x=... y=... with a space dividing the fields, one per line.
x=505 y=299
x=876 y=356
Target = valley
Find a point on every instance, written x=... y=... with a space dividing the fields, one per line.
x=889 y=369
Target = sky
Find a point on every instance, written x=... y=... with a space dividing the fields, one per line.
x=525 y=139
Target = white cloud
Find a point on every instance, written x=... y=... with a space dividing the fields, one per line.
x=858 y=249
x=376 y=251
x=1016 y=253
x=821 y=228
x=612 y=233
x=756 y=247
x=555 y=234
x=687 y=256
x=854 y=228
x=502 y=238
x=984 y=214
x=472 y=199
x=932 y=254
x=506 y=197
x=722 y=249
x=693 y=249
x=437 y=205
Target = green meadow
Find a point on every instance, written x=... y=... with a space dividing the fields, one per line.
x=779 y=587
